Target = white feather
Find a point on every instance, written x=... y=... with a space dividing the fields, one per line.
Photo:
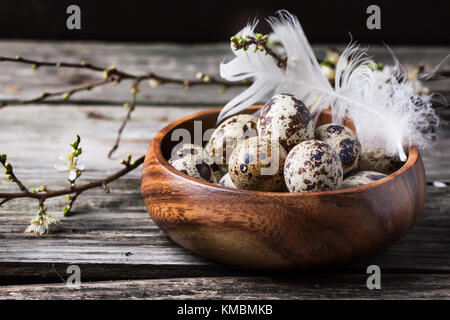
x=268 y=76
x=386 y=112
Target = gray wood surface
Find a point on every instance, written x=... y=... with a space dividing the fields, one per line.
x=323 y=286
x=111 y=237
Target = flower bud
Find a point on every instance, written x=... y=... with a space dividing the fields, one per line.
x=65 y=211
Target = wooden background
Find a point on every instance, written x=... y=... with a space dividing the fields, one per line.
x=121 y=253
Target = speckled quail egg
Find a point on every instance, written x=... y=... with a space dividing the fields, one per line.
x=228 y=134
x=257 y=164
x=226 y=181
x=286 y=118
x=198 y=151
x=344 y=141
x=312 y=165
x=361 y=178
x=376 y=160
x=193 y=166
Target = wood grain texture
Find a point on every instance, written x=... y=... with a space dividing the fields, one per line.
x=268 y=230
x=111 y=236
x=169 y=59
x=319 y=286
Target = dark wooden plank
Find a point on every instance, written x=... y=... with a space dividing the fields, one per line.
x=323 y=286
x=168 y=59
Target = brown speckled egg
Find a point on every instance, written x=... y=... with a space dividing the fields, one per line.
x=344 y=141
x=227 y=182
x=193 y=166
x=228 y=134
x=376 y=160
x=286 y=118
x=198 y=151
x=312 y=165
x=361 y=178
x=257 y=164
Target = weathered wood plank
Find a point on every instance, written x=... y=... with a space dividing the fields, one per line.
x=46 y=131
x=115 y=231
x=112 y=236
x=319 y=286
x=168 y=59
x=34 y=138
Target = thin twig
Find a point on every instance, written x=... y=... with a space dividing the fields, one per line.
x=114 y=75
x=131 y=107
x=122 y=75
x=77 y=189
x=260 y=43
x=66 y=94
x=9 y=171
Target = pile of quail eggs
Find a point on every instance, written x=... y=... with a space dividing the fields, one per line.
x=280 y=151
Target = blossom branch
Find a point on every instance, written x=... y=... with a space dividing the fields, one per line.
x=115 y=74
x=260 y=42
x=78 y=189
x=9 y=171
x=43 y=222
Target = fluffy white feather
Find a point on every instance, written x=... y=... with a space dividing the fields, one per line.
x=268 y=76
x=387 y=113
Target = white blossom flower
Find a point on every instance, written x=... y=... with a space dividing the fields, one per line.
x=71 y=166
x=42 y=224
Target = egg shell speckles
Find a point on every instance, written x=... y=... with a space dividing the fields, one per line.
x=194 y=167
x=257 y=164
x=286 y=118
x=361 y=178
x=376 y=160
x=344 y=141
x=227 y=182
x=229 y=134
x=200 y=153
x=312 y=166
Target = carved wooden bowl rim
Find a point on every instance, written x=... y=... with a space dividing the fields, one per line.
x=156 y=145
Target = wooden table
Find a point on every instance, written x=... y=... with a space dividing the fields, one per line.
x=119 y=250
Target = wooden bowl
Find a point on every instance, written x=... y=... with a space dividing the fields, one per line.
x=273 y=230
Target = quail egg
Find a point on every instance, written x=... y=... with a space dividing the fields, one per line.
x=227 y=135
x=344 y=141
x=257 y=164
x=193 y=166
x=312 y=165
x=226 y=181
x=199 y=152
x=286 y=118
x=376 y=160
x=361 y=178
